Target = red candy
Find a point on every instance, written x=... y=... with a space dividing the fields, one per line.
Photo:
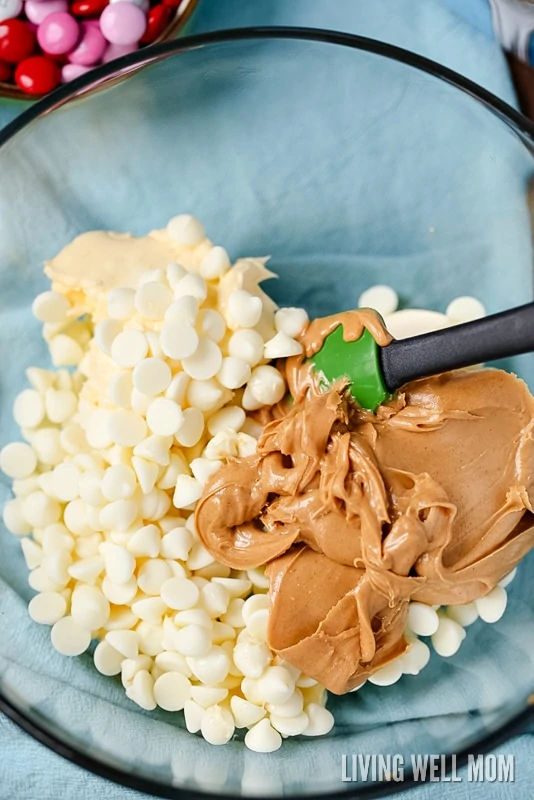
x=5 y=71
x=172 y=3
x=17 y=41
x=88 y=8
x=37 y=75
x=157 y=20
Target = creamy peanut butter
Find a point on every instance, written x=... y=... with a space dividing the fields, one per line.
x=357 y=513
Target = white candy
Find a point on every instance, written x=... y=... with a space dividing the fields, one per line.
x=290 y=321
x=151 y=276
x=131 y=666
x=508 y=578
x=66 y=481
x=415 y=321
x=121 y=303
x=415 y=658
x=276 y=685
x=124 y=642
x=50 y=307
x=151 y=609
x=173 y=662
x=129 y=348
x=292 y=708
x=140 y=402
x=211 y=323
x=492 y=606
x=119 y=563
x=223 y=445
x=32 y=552
x=262 y=738
x=258 y=578
x=465 y=309
x=118 y=515
x=152 y=376
x=422 y=619
x=65 y=351
x=193 y=714
x=172 y=690
x=107 y=660
x=142 y=691
x=205 y=361
x=29 y=409
x=464 y=615
x=193 y=640
x=156 y=449
x=321 y=720
x=212 y=668
x=251 y=658
x=247 y=345
x=246 y=445
x=388 y=674
x=215 y=263
x=217 y=726
x=147 y=473
x=90 y=487
x=267 y=385
x=40 y=510
x=234 y=372
x=145 y=542
x=381 y=298
x=60 y=405
x=119 y=482
x=126 y=428
x=68 y=638
x=152 y=299
x=164 y=417
x=184 y=308
x=204 y=468
x=193 y=616
x=245 y=713
x=282 y=346
x=17 y=460
x=175 y=272
x=179 y=593
x=46 y=443
x=72 y=439
x=177 y=466
x=56 y=537
x=14 y=519
x=448 y=637
x=47 y=608
x=87 y=570
x=237 y=587
x=89 y=608
x=215 y=598
x=153 y=575
x=191 y=285
x=150 y=638
x=188 y=491
x=178 y=339
x=205 y=395
x=176 y=544
x=256 y=602
x=177 y=388
x=244 y=309
x=105 y=334
x=290 y=726
x=232 y=417
x=97 y=431
x=186 y=230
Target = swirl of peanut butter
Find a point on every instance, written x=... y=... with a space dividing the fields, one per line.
x=355 y=513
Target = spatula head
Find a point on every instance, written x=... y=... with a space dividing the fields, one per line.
x=358 y=361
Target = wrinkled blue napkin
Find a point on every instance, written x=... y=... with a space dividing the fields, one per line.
x=491 y=664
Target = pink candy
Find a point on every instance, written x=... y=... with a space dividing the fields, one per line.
x=71 y=71
x=123 y=23
x=58 y=33
x=37 y=11
x=114 y=51
x=90 y=48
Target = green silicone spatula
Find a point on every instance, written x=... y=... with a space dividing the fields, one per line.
x=376 y=373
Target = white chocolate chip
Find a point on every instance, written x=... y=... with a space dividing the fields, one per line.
x=381 y=298
x=17 y=460
x=50 y=307
x=186 y=230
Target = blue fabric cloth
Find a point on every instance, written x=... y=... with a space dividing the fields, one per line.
x=445 y=32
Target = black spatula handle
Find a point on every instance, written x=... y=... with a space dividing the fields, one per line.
x=509 y=333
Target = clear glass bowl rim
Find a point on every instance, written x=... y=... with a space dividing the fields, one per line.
x=121 y=68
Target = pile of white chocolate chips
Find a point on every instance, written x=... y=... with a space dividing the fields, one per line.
x=160 y=348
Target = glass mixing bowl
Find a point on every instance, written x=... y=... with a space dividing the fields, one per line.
x=351 y=162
